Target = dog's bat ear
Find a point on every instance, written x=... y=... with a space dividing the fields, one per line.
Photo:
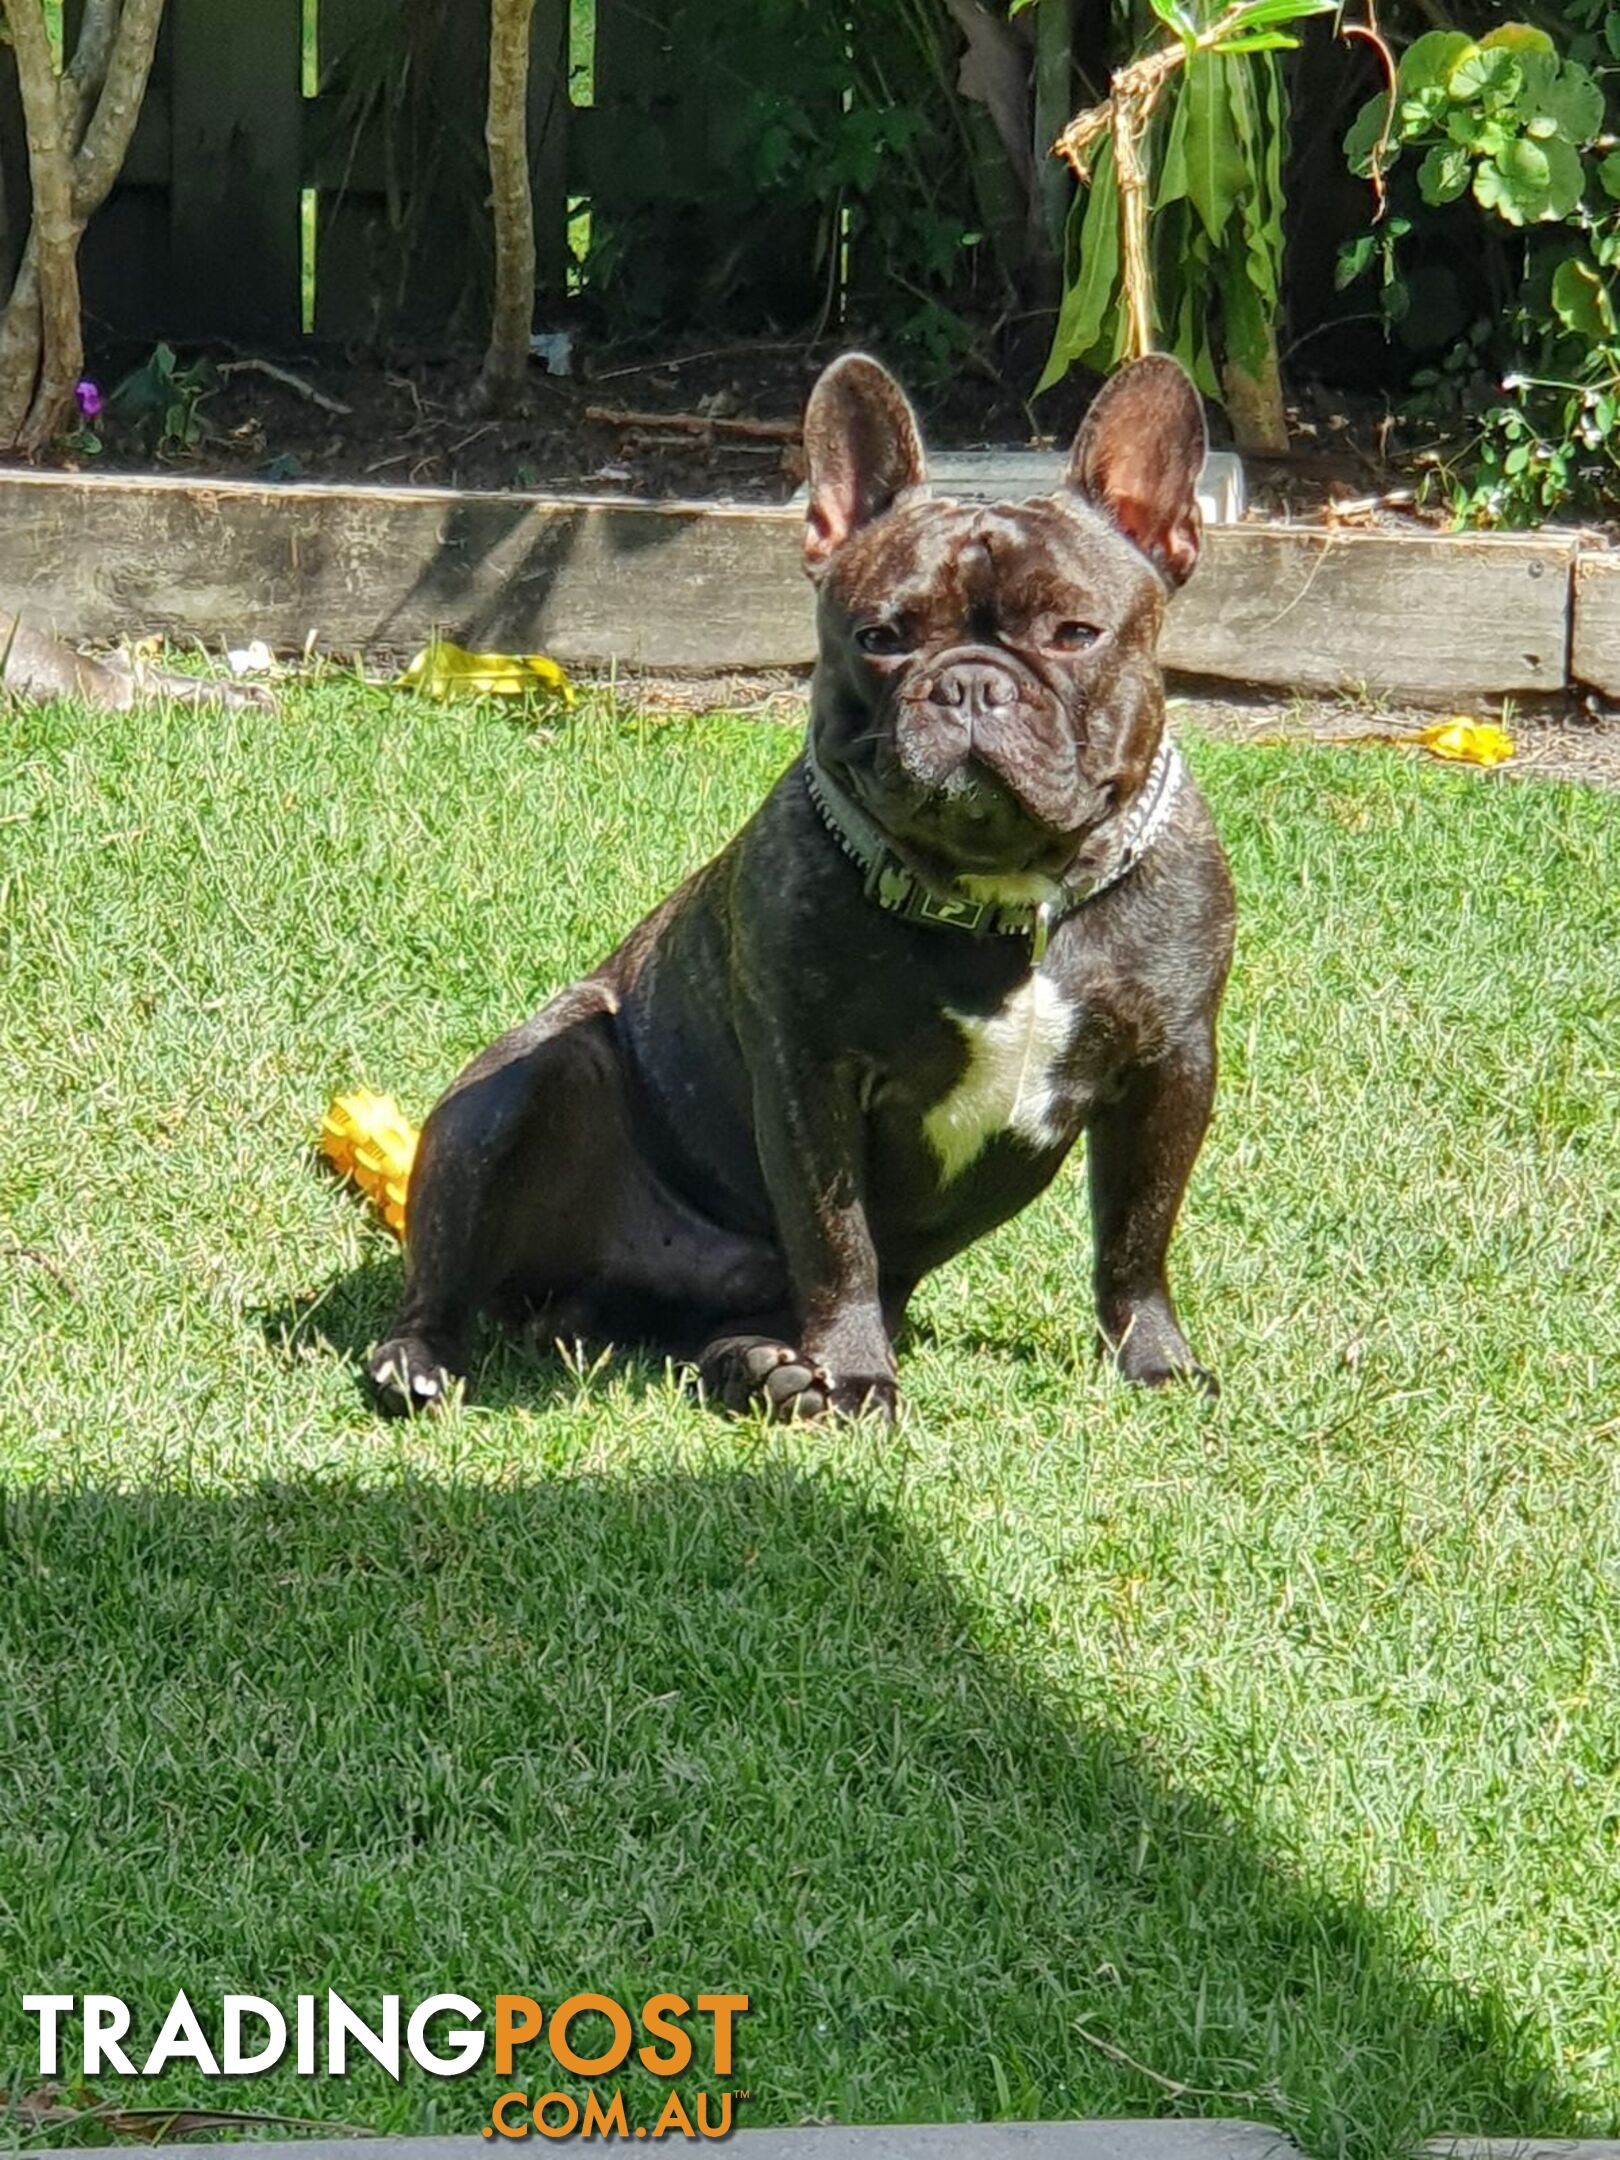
x=1138 y=455
x=861 y=449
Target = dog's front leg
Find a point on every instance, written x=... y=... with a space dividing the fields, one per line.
x=810 y=1133
x=1141 y=1149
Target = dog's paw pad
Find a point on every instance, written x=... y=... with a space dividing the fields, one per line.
x=746 y=1372
x=795 y=1390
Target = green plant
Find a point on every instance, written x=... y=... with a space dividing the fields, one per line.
x=820 y=165
x=1190 y=148
x=1515 y=127
x=160 y=402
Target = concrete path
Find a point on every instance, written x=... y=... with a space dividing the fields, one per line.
x=1136 y=2140
x=927 y=2141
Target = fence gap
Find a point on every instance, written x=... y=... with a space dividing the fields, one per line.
x=310 y=47
x=582 y=52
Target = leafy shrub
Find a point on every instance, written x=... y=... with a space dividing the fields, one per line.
x=1508 y=127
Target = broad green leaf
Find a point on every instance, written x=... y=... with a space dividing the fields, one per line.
x=1609 y=175
x=1566 y=179
x=1419 y=112
x=1176 y=18
x=1525 y=163
x=1265 y=13
x=1444 y=174
x=1244 y=113
x=1516 y=183
x=1172 y=159
x=1246 y=323
x=1573 y=101
x=1486 y=72
x=1581 y=301
x=1355 y=259
x=1091 y=290
x=1362 y=135
x=1216 y=172
x=1493 y=191
x=1429 y=60
x=1519 y=38
x=1465 y=126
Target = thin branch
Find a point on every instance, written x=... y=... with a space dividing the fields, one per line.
x=1175 y=2087
x=506 y=133
x=1378 y=163
x=685 y=423
x=251 y=364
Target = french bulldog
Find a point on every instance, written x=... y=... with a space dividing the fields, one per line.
x=983 y=912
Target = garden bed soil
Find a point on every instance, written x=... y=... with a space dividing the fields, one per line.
x=416 y=426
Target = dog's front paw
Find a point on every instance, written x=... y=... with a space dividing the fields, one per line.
x=757 y=1372
x=1151 y=1351
x=408 y=1375
x=873 y=1396
x=1159 y=1372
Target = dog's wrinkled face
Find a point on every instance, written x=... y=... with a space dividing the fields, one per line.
x=987 y=688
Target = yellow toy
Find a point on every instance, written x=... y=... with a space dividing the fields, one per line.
x=1468 y=742
x=369 y=1138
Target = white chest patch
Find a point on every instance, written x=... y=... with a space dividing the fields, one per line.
x=1010 y=1085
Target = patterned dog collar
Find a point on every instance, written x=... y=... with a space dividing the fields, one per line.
x=892 y=886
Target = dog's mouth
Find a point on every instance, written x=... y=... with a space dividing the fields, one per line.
x=989 y=793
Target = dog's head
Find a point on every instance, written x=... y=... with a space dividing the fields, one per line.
x=987 y=688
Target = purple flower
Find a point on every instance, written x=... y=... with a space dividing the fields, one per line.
x=89 y=397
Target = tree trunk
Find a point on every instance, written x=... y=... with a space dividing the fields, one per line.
x=1254 y=405
x=511 y=200
x=79 y=129
x=1249 y=373
x=57 y=351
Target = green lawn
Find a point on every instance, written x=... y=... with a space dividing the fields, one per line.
x=1275 y=1744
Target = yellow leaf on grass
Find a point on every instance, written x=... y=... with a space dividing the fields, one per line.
x=368 y=1138
x=1467 y=742
x=443 y=670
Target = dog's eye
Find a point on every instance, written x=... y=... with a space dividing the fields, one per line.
x=1073 y=636
x=883 y=639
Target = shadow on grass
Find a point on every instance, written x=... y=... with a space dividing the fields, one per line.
x=716 y=1731
x=349 y=1315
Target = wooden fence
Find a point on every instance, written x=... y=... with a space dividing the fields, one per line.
x=317 y=167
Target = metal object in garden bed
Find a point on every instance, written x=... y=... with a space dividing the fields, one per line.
x=1013 y=475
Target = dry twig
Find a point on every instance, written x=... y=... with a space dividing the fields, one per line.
x=687 y=423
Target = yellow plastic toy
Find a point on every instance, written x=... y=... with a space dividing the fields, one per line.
x=443 y=670
x=369 y=1138
x=1467 y=742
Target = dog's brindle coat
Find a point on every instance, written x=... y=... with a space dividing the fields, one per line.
x=752 y=1130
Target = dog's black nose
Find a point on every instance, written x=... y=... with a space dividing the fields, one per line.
x=975 y=688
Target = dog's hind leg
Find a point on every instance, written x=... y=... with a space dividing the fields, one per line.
x=516 y=1167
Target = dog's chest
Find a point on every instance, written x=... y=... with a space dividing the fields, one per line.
x=1012 y=1081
